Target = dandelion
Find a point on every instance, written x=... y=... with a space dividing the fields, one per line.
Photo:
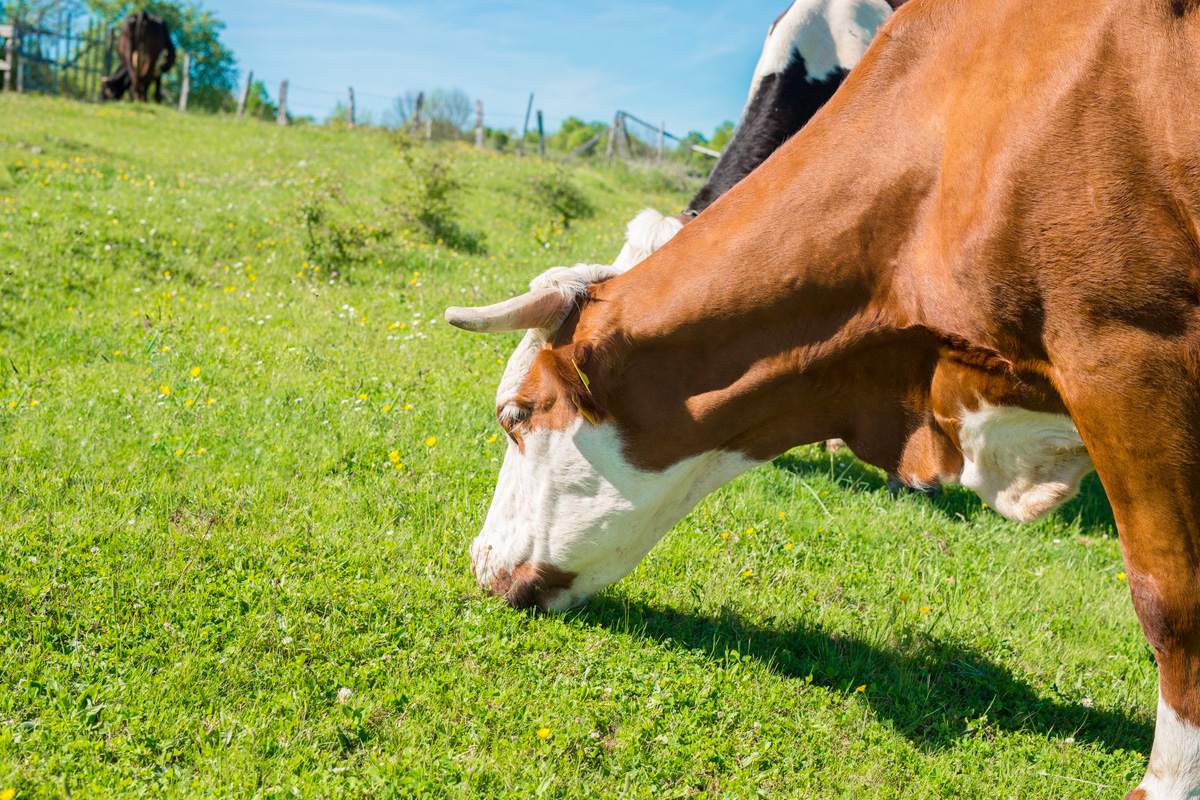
x=1120 y=576
x=725 y=535
x=116 y=352
x=164 y=389
x=210 y=402
x=494 y=438
x=431 y=441
x=782 y=515
x=343 y=696
x=408 y=406
x=787 y=546
x=33 y=403
x=8 y=794
x=749 y=531
x=12 y=404
x=862 y=689
x=747 y=573
x=195 y=372
x=542 y=732
x=166 y=349
x=179 y=452
x=188 y=402
x=201 y=451
x=925 y=609
x=362 y=397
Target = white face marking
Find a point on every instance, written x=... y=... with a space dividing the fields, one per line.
x=571 y=500
x=829 y=35
x=1022 y=463
x=1174 y=772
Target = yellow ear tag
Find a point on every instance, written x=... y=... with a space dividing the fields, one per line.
x=589 y=416
x=586 y=383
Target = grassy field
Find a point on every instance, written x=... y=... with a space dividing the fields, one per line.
x=241 y=459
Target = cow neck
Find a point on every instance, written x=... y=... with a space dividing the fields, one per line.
x=770 y=321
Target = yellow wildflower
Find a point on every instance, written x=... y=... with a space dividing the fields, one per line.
x=925 y=609
x=787 y=546
x=8 y=794
x=394 y=456
x=862 y=688
x=431 y=441
x=165 y=389
x=1120 y=576
x=387 y=409
x=195 y=372
x=492 y=440
x=542 y=733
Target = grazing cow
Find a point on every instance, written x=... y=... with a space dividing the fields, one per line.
x=147 y=53
x=810 y=49
x=980 y=261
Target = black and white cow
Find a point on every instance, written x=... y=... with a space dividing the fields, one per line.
x=810 y=49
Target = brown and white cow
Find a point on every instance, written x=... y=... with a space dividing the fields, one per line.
x=980 y=261
x=810 y=48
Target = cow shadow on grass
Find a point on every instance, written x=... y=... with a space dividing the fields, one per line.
x=1090 y=507
x=933 y=692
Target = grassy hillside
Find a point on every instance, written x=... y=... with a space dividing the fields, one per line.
x=241 y=458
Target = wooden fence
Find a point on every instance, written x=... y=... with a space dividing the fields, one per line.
x=64 y=58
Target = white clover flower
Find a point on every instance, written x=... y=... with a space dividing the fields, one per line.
x=343 y=696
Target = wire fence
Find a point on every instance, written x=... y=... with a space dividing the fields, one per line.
x=68 y=56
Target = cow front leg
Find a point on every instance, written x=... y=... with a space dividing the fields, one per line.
x=1144 y=439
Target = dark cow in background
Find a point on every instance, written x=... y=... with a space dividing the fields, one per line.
x=810 y=49
x=146 y=52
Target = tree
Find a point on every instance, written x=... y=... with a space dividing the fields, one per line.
x=450 y=109
x=195 y=31
x=37 y=11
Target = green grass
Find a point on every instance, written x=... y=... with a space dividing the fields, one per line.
x=187 y=579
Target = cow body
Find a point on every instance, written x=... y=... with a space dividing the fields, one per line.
x=809 y=51
x=147 y=53
x=980 y=261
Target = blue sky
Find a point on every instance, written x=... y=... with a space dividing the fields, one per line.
x=685 y=63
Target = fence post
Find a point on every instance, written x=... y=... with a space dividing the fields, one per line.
x=18 y=64
x=186 y=88
x=108 y=52
x=416 y=115
x=281 y=117
x=541 y=137
x=525 y=130
x=8 y=58
x=245 y=93
x=622 y=140
x=351 y=106
x=662 y=140
x=612 y=136
x=478 y=124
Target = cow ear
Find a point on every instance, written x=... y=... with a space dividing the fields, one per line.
x=542 y=308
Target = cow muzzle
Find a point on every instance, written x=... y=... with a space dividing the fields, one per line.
x=531 y=585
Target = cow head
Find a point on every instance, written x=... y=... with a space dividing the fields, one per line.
x=571 y=513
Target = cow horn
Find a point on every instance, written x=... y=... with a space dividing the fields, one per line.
x=542 y=308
